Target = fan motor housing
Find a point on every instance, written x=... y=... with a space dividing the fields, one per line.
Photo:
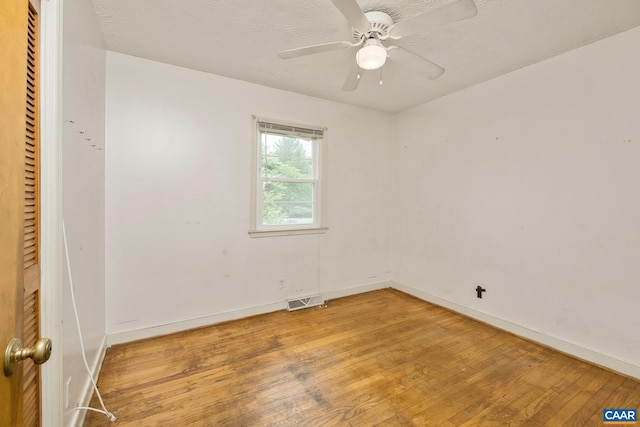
x=379 y=22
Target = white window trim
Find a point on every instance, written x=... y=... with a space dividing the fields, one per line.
x=320 y=156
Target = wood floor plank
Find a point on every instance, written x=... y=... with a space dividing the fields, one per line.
x=379 y=358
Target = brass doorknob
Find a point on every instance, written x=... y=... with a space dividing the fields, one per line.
x=15 y=353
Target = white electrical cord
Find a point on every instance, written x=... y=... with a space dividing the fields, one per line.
x=104 y=411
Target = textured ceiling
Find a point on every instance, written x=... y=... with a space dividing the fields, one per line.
x=241 y=38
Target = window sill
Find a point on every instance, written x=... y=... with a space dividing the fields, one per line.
x=287 y=232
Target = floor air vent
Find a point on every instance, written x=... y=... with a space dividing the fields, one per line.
x=304 y=302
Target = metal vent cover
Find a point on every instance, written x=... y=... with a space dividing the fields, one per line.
x=304 y=302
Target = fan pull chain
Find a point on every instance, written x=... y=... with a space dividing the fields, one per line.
x=380 y=76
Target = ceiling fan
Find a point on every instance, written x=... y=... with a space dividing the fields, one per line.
x=372 y=28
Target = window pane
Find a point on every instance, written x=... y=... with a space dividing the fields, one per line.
x=286 y=157
x=287 y=203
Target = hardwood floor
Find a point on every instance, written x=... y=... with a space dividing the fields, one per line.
x=380 y=358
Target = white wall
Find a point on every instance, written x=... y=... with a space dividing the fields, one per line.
x=528 y=185
x=177 y=198
x=83 y=193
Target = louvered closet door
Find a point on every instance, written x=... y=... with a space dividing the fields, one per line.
x=31 y=331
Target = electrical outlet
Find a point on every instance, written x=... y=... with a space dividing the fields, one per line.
x=281 y=283
x=67 y=396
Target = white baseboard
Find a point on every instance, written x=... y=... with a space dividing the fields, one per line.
x=356 y=290
x=547 y=340
x=211 y=319
x=77 y=420
x=571 y=349
x=197 y=322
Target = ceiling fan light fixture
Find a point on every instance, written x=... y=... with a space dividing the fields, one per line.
x=372 y=55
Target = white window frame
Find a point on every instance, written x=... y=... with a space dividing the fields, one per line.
x=258 y=228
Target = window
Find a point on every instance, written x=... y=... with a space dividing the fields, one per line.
x=288 y=182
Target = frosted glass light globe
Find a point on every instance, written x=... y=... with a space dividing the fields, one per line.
x=372 y=56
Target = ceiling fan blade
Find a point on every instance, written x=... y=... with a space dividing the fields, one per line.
x=418 y=63
x=309 y=50
x=354 y=14
x=444 y=15
x=353 y=79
